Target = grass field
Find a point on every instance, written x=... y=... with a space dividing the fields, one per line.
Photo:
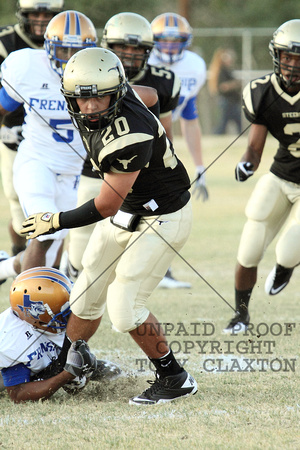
x=248 y=384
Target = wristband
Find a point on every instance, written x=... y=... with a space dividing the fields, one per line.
x=85 y=214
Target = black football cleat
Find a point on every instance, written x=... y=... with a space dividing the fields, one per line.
x=167 y=389
x=278 y=279
x=238 y=324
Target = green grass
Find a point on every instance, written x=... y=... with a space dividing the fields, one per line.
x=251 y=410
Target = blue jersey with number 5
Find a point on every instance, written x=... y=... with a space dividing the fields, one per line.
x=48 y=132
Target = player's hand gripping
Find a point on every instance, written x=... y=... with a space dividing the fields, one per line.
x=80 y=361
x=200 y=189
x=243 y=171
x=41 y=223
x=76 y=385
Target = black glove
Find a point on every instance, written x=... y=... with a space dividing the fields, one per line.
x=80 y=361
x=243 y=171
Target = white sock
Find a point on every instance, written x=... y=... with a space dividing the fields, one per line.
x=7 y=268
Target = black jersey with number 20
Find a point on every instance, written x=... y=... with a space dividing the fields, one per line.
x=136 y=140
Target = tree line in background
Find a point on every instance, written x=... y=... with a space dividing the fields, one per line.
x=200 y=13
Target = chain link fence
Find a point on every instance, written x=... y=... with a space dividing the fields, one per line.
x=253 y=60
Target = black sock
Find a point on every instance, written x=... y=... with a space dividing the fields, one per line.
x=242 y=299
x=166 y=365
x=56 y=366
x=283 y=270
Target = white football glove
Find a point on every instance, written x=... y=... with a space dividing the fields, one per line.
x=200 y=189
x=11 y=135
x=243 y=171
x=73 y=387
x=39 y=224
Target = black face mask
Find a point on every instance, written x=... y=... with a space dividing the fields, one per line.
x=98 y=121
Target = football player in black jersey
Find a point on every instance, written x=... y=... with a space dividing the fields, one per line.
x=33 y=16
x=271 y=104
x=143 y=213
x=130 y=36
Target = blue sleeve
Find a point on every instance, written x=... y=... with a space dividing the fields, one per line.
x=7 y=102
x=190 y=111
x=15 y=375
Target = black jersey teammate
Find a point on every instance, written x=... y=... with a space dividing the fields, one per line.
x=130 y=36
x=271 y=104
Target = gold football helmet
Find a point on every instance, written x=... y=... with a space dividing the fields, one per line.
x=129 y=30
x=40 y=296
x=286 y=38
x=172 y=34
x=94 y=72
x=66 y=33
x=28 y=25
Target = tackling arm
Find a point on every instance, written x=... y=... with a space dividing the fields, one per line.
x=36 y=390
x=80 y=363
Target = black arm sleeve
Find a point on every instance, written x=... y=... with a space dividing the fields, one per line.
x=85 y=214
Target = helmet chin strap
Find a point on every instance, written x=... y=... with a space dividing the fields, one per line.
x=49 y=310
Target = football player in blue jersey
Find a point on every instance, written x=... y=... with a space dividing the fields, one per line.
x=33 y=18
x=49 y=159
x=32 y=332
x=272 y=105
x=172 y=38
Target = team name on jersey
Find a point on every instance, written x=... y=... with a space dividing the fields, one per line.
x=188 y=83
x=44 y=104
x=292 y=115
x=42 y=349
